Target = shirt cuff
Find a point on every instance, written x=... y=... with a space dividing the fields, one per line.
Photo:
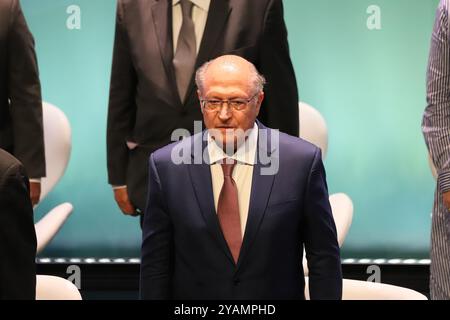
x=444 y=181
x=119 y=187
x=35 y=180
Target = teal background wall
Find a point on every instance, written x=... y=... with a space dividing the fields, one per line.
x=368 y=84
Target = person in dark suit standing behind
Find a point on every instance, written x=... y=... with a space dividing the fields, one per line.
x=158 y=45
x=21 y=131
x=17 y=234
x=230 y=209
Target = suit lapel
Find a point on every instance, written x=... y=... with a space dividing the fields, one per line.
x=260 y=193
x=218 y=14
x=162 y=20
x=202 y=184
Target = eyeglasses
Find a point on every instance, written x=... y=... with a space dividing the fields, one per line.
x=214 y=105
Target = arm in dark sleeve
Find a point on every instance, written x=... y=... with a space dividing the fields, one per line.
x=25 y=96
x=122 y=108
x=17 y=237
x=280 y=106
x=157 y=243
x=321 y=245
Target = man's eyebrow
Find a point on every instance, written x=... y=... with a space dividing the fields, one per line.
x=230 y=97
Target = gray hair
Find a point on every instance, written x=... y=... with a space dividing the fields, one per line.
x=258 y=80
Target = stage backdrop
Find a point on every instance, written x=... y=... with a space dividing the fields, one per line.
x=361 y=63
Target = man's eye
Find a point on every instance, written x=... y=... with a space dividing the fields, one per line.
x=237 y=103
x=214 y=102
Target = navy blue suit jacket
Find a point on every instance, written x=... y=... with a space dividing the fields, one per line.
x=184 y=253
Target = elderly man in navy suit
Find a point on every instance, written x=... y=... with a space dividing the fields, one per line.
x=230 y=209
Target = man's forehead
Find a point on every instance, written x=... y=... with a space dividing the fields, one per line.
x=226 y=91
x=227 y=76
x=229 y=66
x=228 y=85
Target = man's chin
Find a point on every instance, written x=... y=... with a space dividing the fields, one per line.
x=228 y=144
x=227 y=139
x=226 y=133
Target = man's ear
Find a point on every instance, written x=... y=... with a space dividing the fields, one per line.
x=199 y=95
x=259 y=101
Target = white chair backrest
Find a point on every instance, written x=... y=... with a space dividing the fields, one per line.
x=313 y=127
x=342 y=209
x=58 y=144
x=50 y=224
x=55 y=288
x=363 y=290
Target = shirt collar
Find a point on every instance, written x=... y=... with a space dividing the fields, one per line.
x=246 y=152
x=202 y=4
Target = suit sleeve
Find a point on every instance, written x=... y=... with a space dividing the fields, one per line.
x=157 y=243
x=436 y=118
x=321 y=245
x=280 y=107
x=25 y=96
x=17 y=237
x=122 y=108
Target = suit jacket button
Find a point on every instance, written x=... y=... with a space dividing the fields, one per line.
x=236 y=282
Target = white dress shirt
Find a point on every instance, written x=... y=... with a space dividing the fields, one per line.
x=242 y=173
x=199 y=16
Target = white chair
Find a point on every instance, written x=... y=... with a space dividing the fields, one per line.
x=50 y=224
x=363 y=290
x=57 y=139
x=58 y=145
x=313 y=128
x=55 y=288
x=342 y=209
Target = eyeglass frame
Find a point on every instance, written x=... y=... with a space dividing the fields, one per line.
x=245 y=102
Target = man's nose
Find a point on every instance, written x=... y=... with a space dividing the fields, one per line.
x=225 y=112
